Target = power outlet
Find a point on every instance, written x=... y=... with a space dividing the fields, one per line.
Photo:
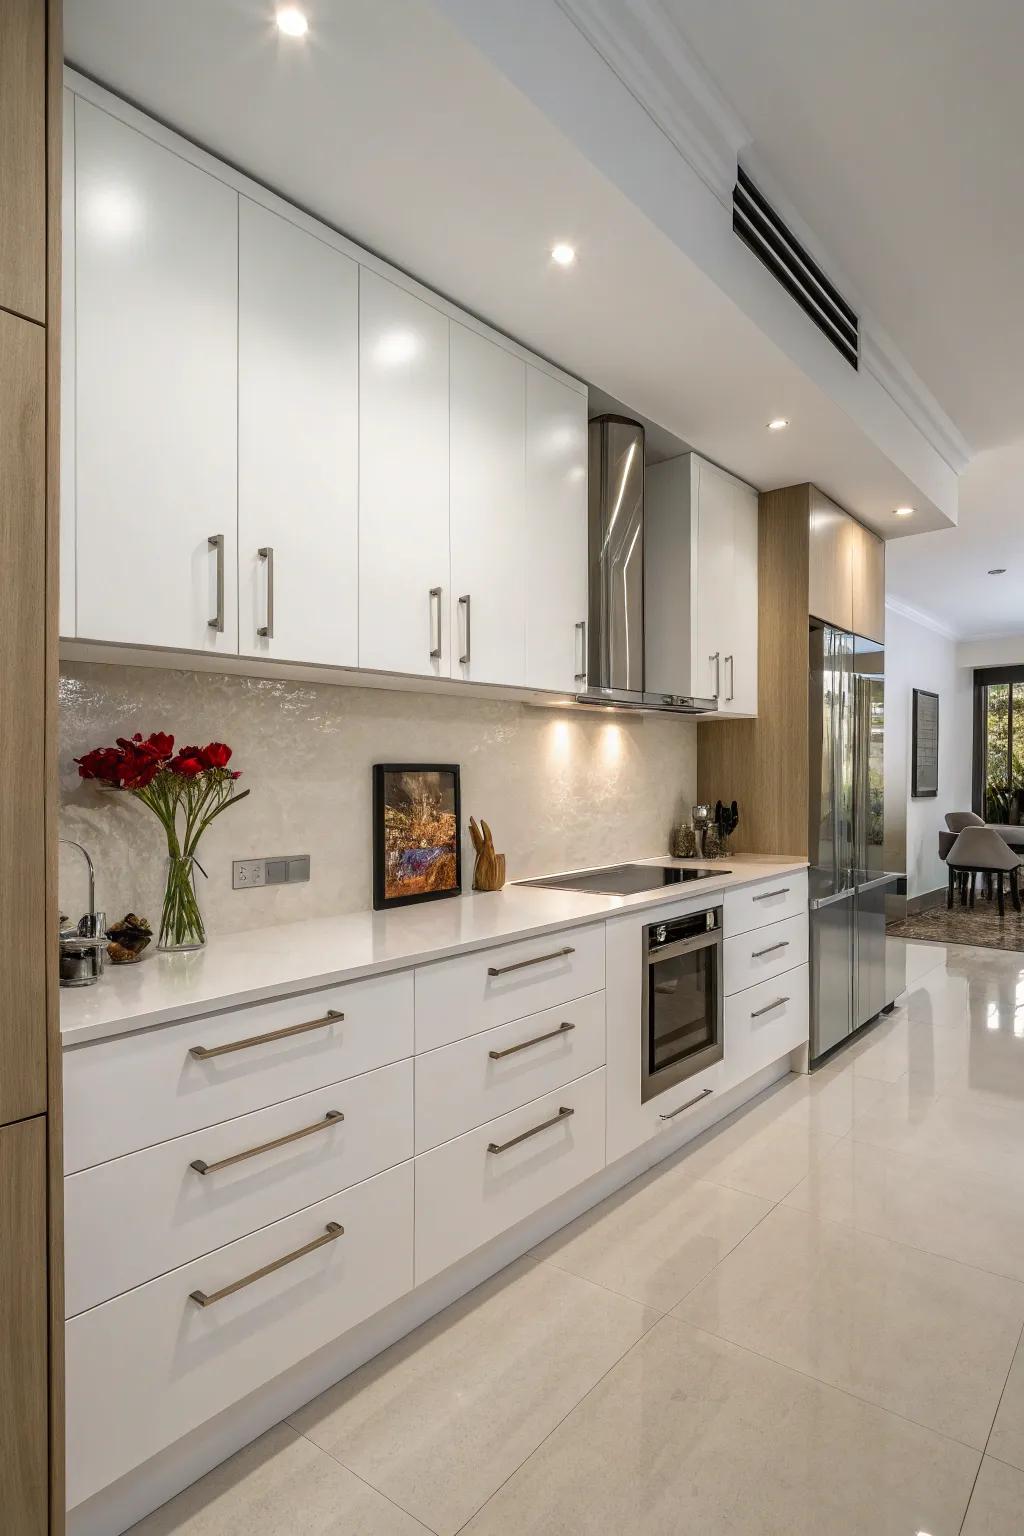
x=246 y=873
x=290 y=869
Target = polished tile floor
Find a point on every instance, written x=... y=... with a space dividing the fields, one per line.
x=810 y=1321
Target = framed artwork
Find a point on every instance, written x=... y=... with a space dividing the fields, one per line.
x=417 y=833
x=925 y=745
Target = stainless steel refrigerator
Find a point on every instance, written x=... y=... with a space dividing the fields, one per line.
x=850 y=980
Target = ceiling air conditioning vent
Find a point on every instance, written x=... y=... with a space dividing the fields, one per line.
x=759 y=226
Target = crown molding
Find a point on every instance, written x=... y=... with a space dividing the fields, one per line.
x=917 y=616
x=640 y=41
x=880 y=356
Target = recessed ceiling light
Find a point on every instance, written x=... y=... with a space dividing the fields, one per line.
x=564 y=255
x=778 y=424
x=291 y=21
x=998 y=570
x=904 y=511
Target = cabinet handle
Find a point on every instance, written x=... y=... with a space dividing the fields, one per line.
x=330 y=1234
x=216 y=541
x=206 y=1052
x=464 y=604
x=332 y=1117
x=581 y=636
x=731 y=660
x=266 y=631
x=435 y=623
x=510 y=1050
x=503 y=1146
x=768 y=1007
x=764 y=896
x=518 y=965
x=688 y=1105
x=756 y=954
x=717 y=659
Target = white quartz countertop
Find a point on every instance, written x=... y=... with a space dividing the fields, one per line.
x=296 y=957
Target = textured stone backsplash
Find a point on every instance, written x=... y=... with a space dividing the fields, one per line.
x=560 y=789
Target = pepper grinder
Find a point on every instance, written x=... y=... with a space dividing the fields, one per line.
x=701 y=815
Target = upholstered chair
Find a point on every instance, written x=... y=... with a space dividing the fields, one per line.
x=956 y=821
x=979 y=850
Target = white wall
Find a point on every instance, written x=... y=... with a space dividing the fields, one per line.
x=1002 y=651
x=919 y=657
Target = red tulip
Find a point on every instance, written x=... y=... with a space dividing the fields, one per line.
x=216 y=755
x=188 y=763
x=160 y=743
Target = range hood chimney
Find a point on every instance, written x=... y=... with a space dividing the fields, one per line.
x=615 y=653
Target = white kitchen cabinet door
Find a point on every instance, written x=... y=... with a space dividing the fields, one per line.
x=725 y=579
x=556 y=534
x=298 y=443
x=488 y=496
x=404 y=581
x=156 y=297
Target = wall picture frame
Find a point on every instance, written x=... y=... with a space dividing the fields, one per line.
x=417 y=833
x=925 y=745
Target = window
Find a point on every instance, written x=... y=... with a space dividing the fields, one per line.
x=999 y=744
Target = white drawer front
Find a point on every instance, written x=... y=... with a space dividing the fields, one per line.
x=474 y=992
x=462 y=1085
x=136 y=1217
x=770 y=901
x=764 y=1023
x=123 y=1094
x=763 y=952
x=148 y=1367
x=466 y=1194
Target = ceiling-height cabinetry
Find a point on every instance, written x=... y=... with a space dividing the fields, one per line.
x=285 y=450
x=845 y=569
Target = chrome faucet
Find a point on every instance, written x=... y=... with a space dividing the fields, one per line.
x=83 y=948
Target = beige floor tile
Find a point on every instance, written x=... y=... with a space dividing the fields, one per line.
x=997 y=1503
x=976 y=1133
x=689 y=1436
x=657 y=1237
x=755 y=1151
x=914 y=1333
x=1007 y=1438
x=973 y=1218
x=279 y=1486
x=827 y=1100
x=441 y=1419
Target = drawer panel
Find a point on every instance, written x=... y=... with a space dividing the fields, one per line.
x=137 y=1090
x=752 y=957
x=134 y=1218
x=462 y=1085
x=146 y=1368
x=460 y=997
x=763 y=1023
x=770 y=901
x=466 y=1195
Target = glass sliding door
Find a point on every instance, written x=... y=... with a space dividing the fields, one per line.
x=999 y=744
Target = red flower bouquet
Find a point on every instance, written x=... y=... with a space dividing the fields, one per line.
x=195 y=781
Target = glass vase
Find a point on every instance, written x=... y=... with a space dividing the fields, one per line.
x=181 y=925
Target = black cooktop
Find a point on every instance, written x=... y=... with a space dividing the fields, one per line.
x=625 y=879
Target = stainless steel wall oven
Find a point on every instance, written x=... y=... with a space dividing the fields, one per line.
x=681 y=1021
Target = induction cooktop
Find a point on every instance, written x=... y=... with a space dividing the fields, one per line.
x=625 y=879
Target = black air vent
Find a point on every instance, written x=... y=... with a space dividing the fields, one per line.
x=759 y=226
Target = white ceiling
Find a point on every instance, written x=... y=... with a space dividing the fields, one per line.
x=385 y=122
x=895 y=130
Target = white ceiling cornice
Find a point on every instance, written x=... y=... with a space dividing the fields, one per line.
x=917 y=616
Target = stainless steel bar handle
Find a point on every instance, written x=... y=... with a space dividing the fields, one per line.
x=206 y=1052
x=435 y=623
x=518 y=965
x=716 y=657
x=783 y=890
x=768 y=1007
x=266 y=631
x=330 y=1234
x=464 y=604
x=756 y=954
x=332 y=1117
x=688 y=1105
x=731 y=661
x=510 y=1050
x=216 y=541
x=503 y=1146
x=581 y=636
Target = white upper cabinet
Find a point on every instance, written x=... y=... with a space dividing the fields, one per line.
x=555 y=533
x=403 y=493
x=155 y=253
x=488 y=501
x=298 y=443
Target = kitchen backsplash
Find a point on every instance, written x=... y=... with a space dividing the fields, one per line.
x=559 y=789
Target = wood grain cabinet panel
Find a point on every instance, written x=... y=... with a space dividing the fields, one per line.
x=24 y=1468
x=23 y=157
x=868 y=584
x=830 y=562
x=22 y=711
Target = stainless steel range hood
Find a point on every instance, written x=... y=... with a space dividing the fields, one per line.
x=615 y=653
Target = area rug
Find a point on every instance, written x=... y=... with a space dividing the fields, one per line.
x=979 y=925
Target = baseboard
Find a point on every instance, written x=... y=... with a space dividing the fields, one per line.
x=115 y=1509
x=927 y=900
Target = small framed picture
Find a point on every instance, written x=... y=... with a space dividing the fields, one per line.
x=925 y=745
x=417 y=833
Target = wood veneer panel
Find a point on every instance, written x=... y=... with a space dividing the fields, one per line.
x=23 y=157
x=24 y=1484
x=868 y=584
x=833 y=538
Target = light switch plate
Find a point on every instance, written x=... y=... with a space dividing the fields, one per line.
x=286 y=869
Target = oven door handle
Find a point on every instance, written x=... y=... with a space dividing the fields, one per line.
x=685 y=946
